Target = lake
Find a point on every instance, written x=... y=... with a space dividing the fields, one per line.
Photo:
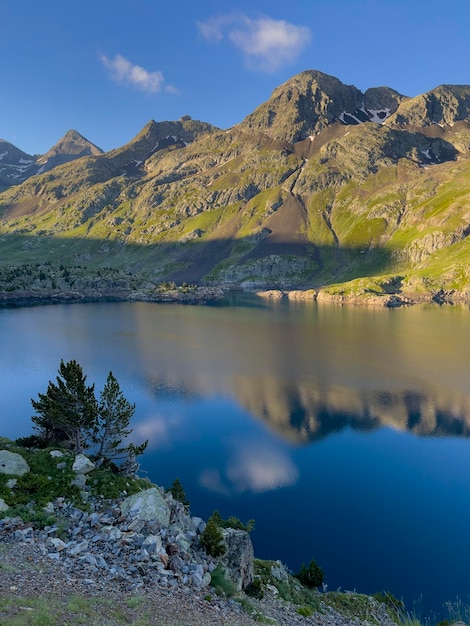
x=343 y=432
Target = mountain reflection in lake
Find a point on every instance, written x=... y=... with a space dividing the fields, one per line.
x=343 y=432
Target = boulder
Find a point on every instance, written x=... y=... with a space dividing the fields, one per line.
x=12 y=463
x=82 y=464
x=56 y=454
x=79 y=481
x=237 y=562
x=147 y=505
x=3 y=506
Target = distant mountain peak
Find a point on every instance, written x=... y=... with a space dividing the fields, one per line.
x=71 y=146
x=310 y=101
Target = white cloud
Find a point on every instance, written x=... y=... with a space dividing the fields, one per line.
x=266 y=44
x=123 y=71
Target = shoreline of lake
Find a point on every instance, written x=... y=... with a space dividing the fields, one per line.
x=377 y=300
x=27 y=298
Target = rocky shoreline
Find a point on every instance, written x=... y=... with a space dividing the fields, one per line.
x=377 y=300
x=26 y=298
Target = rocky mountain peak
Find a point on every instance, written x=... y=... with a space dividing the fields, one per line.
x=71 y=146
x=309 y=102
x=444 y=105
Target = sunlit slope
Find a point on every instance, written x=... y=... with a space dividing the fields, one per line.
x=384 y=204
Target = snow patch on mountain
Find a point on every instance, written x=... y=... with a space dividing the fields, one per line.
x=362 y=115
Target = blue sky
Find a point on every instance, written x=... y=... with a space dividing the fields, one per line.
x=106 y=67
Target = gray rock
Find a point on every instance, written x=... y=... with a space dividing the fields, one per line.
x=3 y=506
x=79 y=548
x=82 y=464
x=147 y=505
x=237 y=562
x=198 y=524
x=56 y=454
x=197 y=576
x=183 y=542
x=111 y=533
x=79 y=481
x=153 y=544
x=101 y=562
x=58 y=544
x=280 y=572
x=11 y=483
x=12 y=463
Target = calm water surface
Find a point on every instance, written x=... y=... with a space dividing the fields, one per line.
x=343 y=432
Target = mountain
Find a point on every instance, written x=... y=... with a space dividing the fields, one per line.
x=16 y=166
x=308 y=103
x=361 y=194
x=72 y=146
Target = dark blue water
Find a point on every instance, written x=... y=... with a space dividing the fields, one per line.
x=344 y=433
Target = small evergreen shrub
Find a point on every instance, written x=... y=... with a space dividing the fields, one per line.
x=212 y=539
x=178 y=493
x=311 y=576
x=233 y=522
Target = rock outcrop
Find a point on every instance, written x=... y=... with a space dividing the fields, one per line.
x=237 y=562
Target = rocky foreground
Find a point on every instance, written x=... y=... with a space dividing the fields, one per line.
x=140 y=559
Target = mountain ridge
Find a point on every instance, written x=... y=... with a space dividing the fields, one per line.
x=321 y=185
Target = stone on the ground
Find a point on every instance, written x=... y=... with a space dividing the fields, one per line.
x=56 y=454
x=79 y=481
x=147 y=505
x=82 y=464
x=3 y=506
x=12 y=463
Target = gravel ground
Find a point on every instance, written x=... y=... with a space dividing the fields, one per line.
x=31 y=582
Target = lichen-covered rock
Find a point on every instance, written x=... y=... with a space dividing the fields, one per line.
x=82 y=464
x=147 y=505
x=12 y=463
x=237 y=562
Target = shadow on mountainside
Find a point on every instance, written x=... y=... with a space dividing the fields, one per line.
x=271 y=263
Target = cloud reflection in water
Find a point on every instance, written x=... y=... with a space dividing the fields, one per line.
x=252 y=467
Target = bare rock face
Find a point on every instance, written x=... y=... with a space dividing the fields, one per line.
x=12 y=464
x=237 y=561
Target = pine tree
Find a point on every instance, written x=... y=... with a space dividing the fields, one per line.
x=66 y=413
x=112 y=424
